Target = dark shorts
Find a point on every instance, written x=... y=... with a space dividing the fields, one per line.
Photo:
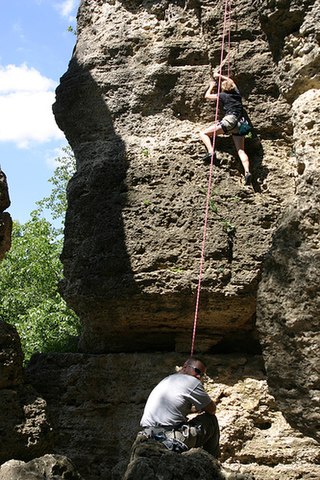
x=201 y=431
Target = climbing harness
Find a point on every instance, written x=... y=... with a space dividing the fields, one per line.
x=166 y=436
x=225 y=33
x=244 y=126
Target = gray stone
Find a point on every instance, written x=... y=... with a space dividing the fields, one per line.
x=48 y=467
x=5 y=218
x=288 y=297
x=4 y=192
x=131 y=105
x=24 y=425
x=11 y=357
x=150 y=460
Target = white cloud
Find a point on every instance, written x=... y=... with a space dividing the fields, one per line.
x=23 y=79
x=26 y=99
x=67 y=8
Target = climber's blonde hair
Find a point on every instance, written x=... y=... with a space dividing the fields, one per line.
x=227 y=85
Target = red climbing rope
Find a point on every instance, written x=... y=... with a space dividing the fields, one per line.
x=228 y=20
x=226 y=27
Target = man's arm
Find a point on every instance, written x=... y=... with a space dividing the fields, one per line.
x=211 y=408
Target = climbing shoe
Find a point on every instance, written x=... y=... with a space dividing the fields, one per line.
x=247 y=178
x=207 y=159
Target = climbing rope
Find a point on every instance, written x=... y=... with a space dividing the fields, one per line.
x=226 y=32
x=228 y=20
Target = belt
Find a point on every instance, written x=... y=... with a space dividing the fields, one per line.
x=161 y=428
x=166 y=436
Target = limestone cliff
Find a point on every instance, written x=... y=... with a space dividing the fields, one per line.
x=131 y=105
x=288 y=298
x=96 y=403
x=24 y=425
x=48 y=467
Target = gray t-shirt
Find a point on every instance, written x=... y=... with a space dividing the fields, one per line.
x=171 y=400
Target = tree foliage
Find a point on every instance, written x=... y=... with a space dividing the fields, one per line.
x=56 y=202
x=30 y=274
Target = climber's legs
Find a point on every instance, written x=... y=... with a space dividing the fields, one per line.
x=207 y=134
x=239 y=144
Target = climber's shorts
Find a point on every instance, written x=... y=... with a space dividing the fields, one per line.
x=229 y=124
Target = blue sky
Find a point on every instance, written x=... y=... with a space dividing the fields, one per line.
x=35 y=48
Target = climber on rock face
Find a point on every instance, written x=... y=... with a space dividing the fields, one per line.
x=231 y=102
x=165 y=414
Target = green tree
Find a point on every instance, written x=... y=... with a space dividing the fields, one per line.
x=30 y=274
x=56 y=202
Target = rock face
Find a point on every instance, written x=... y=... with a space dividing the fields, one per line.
x=96 y=403
x=131 y=105
x=24 y=426
x=288 y=298
x=152 y=461
x=11 y=357
x=5 y=218
x=48 y=467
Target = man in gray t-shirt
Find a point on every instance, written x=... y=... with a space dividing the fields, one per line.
x=169 y=403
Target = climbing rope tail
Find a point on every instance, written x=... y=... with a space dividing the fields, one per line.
x=226 y=26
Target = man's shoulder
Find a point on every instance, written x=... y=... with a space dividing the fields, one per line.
x=179 y=377
x=184 y=379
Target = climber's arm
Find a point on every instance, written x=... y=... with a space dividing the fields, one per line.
x=218 y=75
x=209 y=95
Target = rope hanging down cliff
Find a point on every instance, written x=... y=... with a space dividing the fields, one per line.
x=226 y=32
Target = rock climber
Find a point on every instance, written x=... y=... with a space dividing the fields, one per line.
x=176 y=396
x=231 y=102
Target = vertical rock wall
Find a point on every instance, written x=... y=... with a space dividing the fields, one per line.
x=131 y=105
x=5 y=218
x=24 y=426
x=288 y=299
x=96 y=403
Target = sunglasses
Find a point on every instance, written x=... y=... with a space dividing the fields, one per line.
x=198 y=372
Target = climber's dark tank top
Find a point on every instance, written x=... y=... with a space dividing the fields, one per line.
x=232 y=103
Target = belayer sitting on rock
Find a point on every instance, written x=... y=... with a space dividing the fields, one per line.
x=233 y=121
x=165 y=414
